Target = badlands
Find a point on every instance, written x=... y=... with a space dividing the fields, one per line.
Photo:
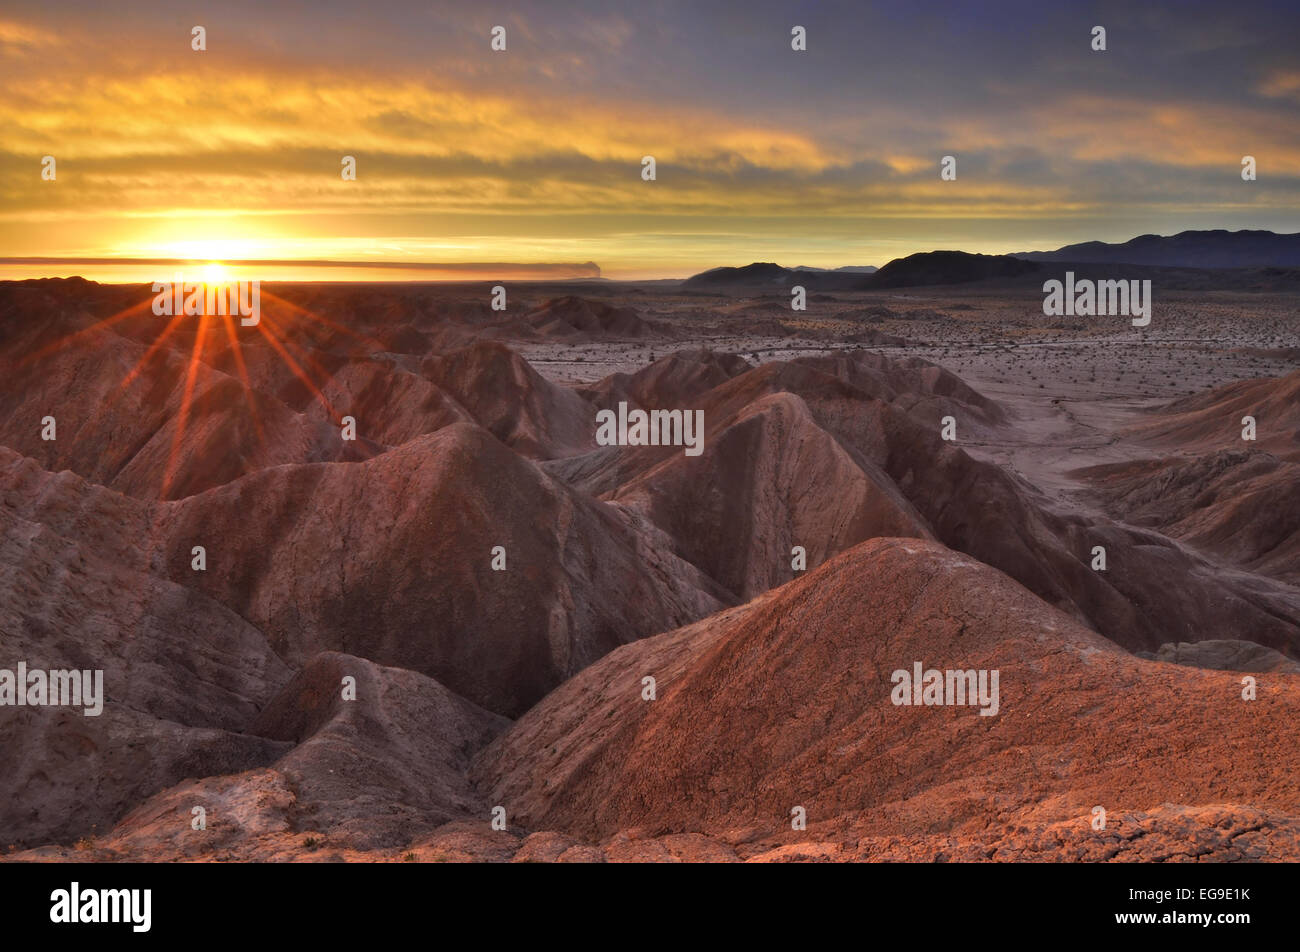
x=475 y=633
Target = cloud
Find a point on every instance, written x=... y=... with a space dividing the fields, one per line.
x=545 y=141
x=21 y=38
x=1281 y=84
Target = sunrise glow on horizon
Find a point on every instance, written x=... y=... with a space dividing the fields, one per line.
x=532 y=155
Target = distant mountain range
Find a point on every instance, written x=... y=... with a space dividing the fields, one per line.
x=1195 y=250
x=767 y=274
x=923 y=268
x=847 y=269
x=1188 y=249
x=947 y=267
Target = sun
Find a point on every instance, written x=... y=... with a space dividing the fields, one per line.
x=215 y=273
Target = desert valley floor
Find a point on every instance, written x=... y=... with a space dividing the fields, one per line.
x=524 y=688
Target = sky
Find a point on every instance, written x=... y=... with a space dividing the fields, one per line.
x=528 y=162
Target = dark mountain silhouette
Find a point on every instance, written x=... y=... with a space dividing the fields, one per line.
x=946 y=267
x=1265 y=258
x=1188 y=249
x=923 y=268
x=765 y=274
